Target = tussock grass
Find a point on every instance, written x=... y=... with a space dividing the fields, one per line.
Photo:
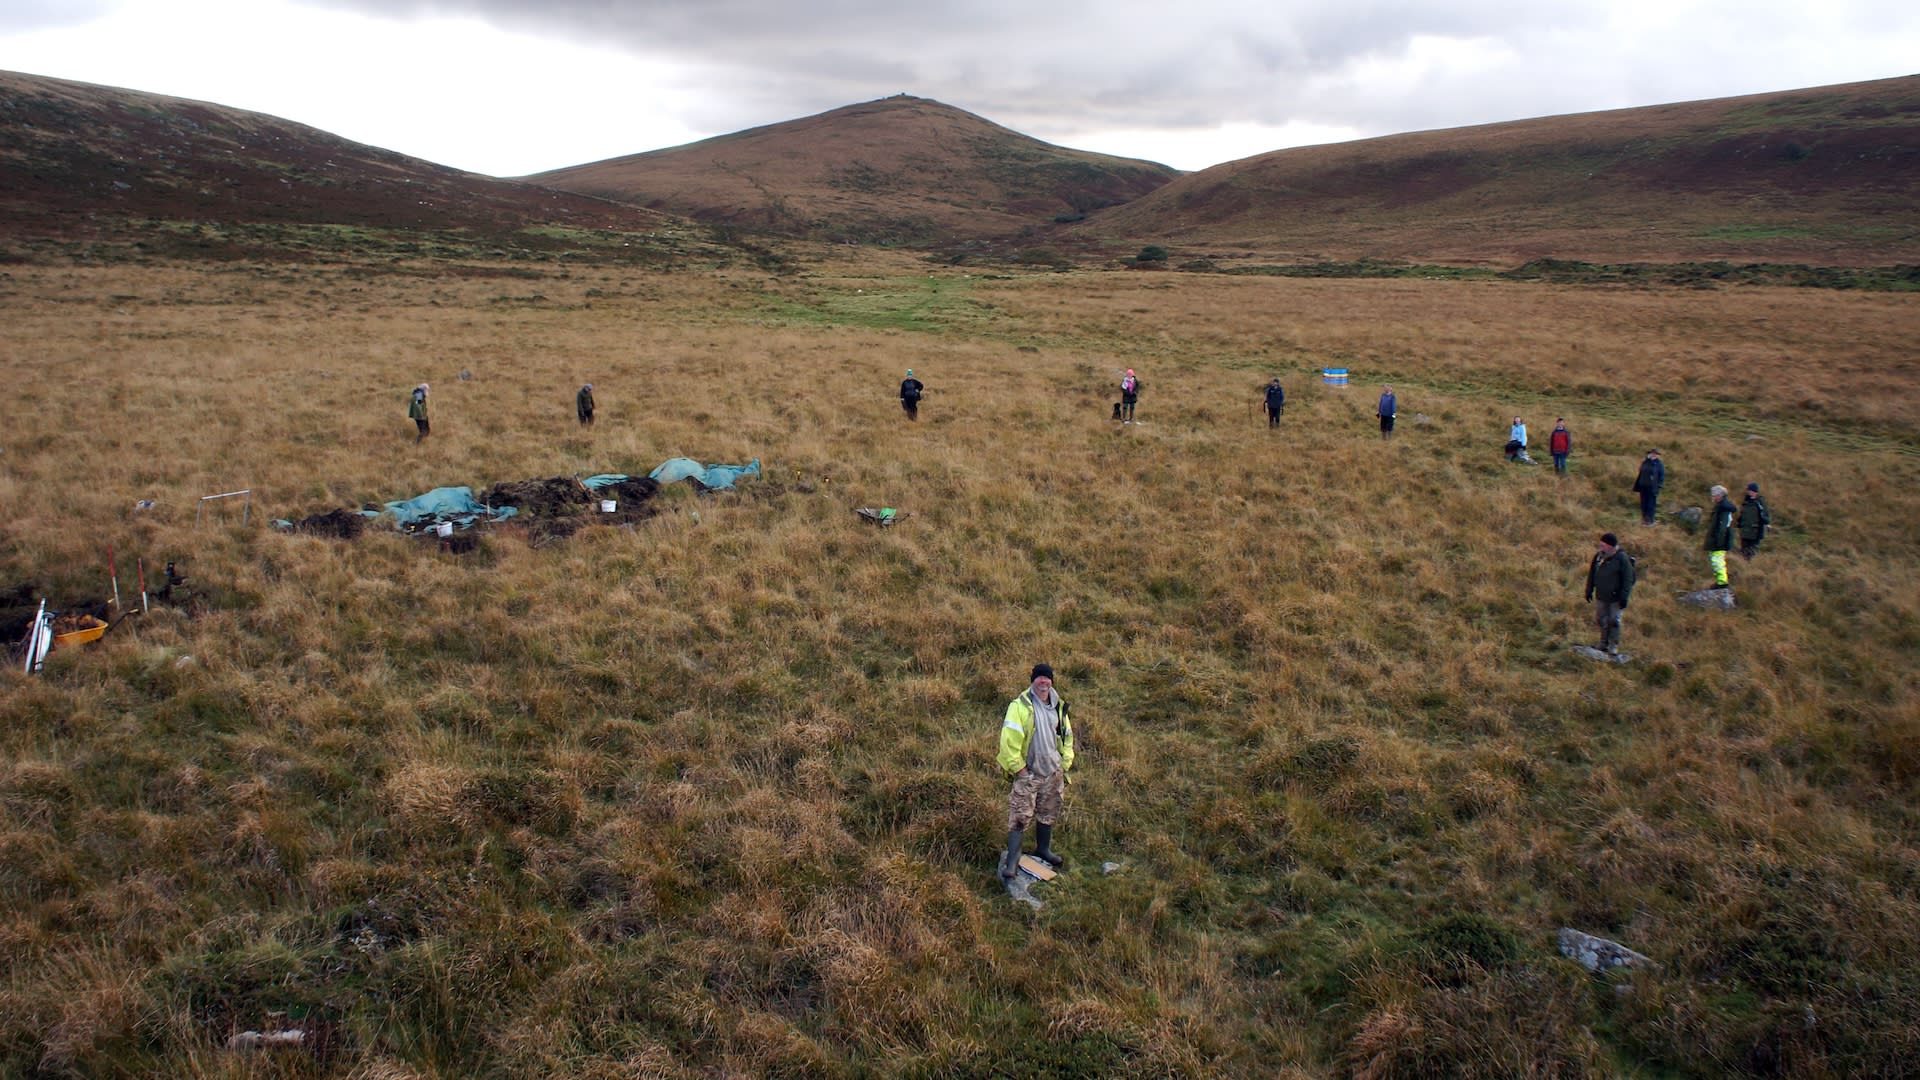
x=711 y=792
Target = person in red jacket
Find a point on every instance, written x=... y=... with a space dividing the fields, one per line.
x=1559 y=443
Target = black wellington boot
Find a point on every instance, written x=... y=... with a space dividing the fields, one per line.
x=1043 y=841
x=1010 y=862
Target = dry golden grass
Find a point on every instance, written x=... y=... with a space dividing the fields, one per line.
x=712 y=794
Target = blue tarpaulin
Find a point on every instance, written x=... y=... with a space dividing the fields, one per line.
x=710 y=476
x=455 y=504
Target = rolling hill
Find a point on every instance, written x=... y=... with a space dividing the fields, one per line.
x=85 y=164
x=1828 y=175
x=901 y=169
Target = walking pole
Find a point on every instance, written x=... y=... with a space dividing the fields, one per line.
x=115 y=576
x=140 y=564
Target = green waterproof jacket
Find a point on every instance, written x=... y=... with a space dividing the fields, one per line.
x=1016 y=732
x=1754 y=520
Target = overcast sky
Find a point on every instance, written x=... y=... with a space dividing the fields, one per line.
x=510 y=87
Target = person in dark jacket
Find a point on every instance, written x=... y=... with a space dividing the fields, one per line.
x=1388 y=408
x=1559 y=444
x=1754 y=519
x=1719 y=534
x=1129 y=396
x=583 y=404
x=1653 y=474
x=1609 y=584
x=910 y=391
x=1276 y=402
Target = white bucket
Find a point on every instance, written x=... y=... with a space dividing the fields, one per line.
x=606 y=506
x=445 y=528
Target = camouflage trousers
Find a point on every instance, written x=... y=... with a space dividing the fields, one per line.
x=1036 y=798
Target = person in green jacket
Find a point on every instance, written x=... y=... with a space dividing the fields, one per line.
x=1754 y=519
x=417 y=411
x=1719 y=535
x=1036 y=750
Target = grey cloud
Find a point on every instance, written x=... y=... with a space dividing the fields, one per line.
x=1151 y=64
x=17 y=16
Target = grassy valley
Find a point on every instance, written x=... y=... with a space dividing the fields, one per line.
x=712 y=794
x=707 y=789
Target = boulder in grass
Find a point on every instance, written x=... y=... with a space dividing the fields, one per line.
x=1597 y=954
x=1711 y=599
x=1601 y=655
x=1692 y=515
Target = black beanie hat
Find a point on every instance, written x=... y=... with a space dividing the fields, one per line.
x=1039 y=670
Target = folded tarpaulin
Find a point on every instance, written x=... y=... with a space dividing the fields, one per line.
x=710 y=476
x=604 y=480
x=455 y=504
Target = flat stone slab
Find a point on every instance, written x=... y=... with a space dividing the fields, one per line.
x=1598 y=954
x=1601 y=655
x=1715 y=599
x=1032 y=872
x=1020 y=887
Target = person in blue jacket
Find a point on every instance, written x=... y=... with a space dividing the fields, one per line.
x=1388 y=409
x=1276 y=402
x=1652 y=475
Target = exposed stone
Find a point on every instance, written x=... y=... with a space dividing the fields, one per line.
x=1598 y=954
x=1601 y=655
x=1715 y=599
x=1020 y=888
x=1691 y=515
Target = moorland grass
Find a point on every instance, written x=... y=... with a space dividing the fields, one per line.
x=713 y=794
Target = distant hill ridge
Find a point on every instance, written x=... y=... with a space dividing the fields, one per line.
x=902 y=169
x=78 y=160
x=1826 y=175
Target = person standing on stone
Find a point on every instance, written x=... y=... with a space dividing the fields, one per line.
x=417 y=411
x=583 y=404
x=1276 y=402
x=910 y=391
x=1719 y=534
x=1559 y=444
x=1754 y=519
x=1036 y=750
x=1129 y=396
x=1389 y=408
x=1609 y=584
x=1652 y=476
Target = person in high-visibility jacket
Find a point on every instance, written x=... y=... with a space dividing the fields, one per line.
x=1036 y=750
x=1719 y=535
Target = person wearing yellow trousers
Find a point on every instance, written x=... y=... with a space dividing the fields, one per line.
x=1036 y=750
x=1719 y=535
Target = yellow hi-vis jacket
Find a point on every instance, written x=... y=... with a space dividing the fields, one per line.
x=1017 y=731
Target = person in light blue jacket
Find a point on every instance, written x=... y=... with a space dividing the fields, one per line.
x=1517 y=443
